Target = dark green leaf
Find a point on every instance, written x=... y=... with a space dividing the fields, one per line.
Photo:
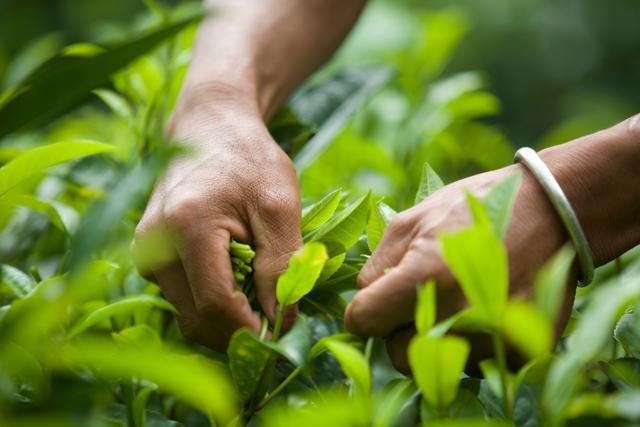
x=248 y=357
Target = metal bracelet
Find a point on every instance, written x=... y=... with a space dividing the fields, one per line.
x=534 y=163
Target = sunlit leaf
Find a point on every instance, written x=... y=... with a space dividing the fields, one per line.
x=436 y=364
x=353 y=364
x=377 y=224
x=551 y=282
x=426 y=307
x=63 y=82
x=499 y=202
x=479 y=261
x=528 y=329
x=124 y=306
x=304 y=269
x=430 y=182
x=38 y=159
x=16 y=280
x=318 y=213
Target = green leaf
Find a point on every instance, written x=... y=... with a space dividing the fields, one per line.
x=124 y=306
x=295 y=345
x=191 y=379
x=304 y=269
x=528 y=329
x=389 y=404
x=64 y=223
x=499 y=202
x=248 y=357
x=551 y=282
x=18 y=282
x=140 y=336
x=346 y=227
x=430 y=182
x=64 y=82
x=116 y=102
x=330 y=103
x=353 y=364
x=627 y=332
x=436 y=364
x=140 y=406
x=36 y=160
x=478 y=260
x=378 y=222
x=426 y=307
x=318 y=213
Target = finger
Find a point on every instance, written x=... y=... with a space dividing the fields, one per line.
x=389 y=302
x=219 y=306
x=397 y=346
x=276 y=237
x=390 y=251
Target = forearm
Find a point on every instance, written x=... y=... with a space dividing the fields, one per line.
x=600 y=175
x=261 y=50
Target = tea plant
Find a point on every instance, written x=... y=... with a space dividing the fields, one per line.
x=85 y=340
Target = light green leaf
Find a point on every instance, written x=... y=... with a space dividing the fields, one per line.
x=124 y=306
x=389 y=404
x=38 y=159
x=248 y=357
x=528 y=329
x=191 y=379
x=551 y=282
x=478 y=211
x=139 y=336
x=478 y=260
x=426 y=307
x=64 y=223
x=436 y=364
x=116 y=102
x=318 y=213
x=346 y=227
x=430 y=182
x=319 y=347
x=304 y=269
x=17 y=281
x=627 y=332
x=332 y=265
x=353 y=364
x=499 y=202
x=377 y=224
x=55 y=87
x=139 y=406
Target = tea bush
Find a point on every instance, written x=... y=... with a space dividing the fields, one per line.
x=85 y=340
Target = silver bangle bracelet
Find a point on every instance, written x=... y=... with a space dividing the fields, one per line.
x=539 y=169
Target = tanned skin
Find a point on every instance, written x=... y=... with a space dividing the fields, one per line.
x=247 y=59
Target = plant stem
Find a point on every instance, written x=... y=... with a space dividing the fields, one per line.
x=498 y=349
x=278 y=389
x=278 y=325
x=368 y=349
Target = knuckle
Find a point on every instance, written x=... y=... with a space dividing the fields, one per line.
x=634 y=126
x=180 y=212
x=400 y=224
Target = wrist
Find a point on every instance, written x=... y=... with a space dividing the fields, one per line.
x=600 y=177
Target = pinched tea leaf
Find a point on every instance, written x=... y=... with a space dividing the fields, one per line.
x=37 y=159
x=430 y=182
x=353 y=364
x=126 y=305
x=478 y=260
x=528 y=329
x=499 y=202
x=16 y=280
x=248 y=357
x=345 y=227
x=318 y=213
x=436 y=364
x=304 y=269
x=426 y=307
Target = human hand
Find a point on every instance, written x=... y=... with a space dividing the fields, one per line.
x=237 y=183
x=587 y=169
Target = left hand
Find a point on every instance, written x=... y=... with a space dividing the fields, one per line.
x=385 y=305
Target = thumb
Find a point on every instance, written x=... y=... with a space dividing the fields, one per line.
x=276 y=237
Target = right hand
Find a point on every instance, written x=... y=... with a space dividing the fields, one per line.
x=238 y=183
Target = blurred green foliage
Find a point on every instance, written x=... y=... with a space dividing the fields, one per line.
x=85 y=340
